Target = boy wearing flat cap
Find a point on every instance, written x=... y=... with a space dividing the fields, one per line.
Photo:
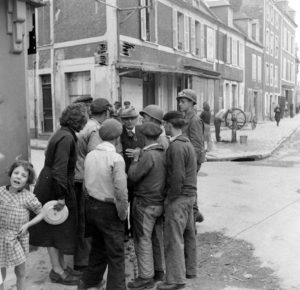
x=148 y=173
x=181 y=189
x=106 y=185
x=87 y=140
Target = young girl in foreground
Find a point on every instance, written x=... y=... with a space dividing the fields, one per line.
x=15 y=203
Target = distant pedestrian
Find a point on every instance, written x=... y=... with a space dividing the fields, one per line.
x=56 y=182
x=277 y=116
x=87 y=140
x=15 y=203
x=219 y=118
x=194 y=130
x=105 y=181
x=127 y=105
x=206 y=116
x=117 y=109
x=181 y=190
x=148 y=172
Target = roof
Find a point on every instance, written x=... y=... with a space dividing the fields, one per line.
x=241 y=15
x=218 y=3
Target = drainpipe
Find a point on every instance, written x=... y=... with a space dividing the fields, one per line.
x=35 y=101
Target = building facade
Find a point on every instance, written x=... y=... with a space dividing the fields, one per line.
x=15 y=24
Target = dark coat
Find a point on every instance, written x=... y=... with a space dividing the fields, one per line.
x=149 y=175
x=137 y=141
x=277 y=112
x=181 y=169
x=56 y=181
x=205 y=116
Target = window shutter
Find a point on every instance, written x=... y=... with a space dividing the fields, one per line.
x=175 y=27
x=186 y=33
x=143 y=20
x=205 y=40
x=193 y=36
x=202 y=40
x=225 y=48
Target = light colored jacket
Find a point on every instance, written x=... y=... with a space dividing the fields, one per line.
x=105 y=178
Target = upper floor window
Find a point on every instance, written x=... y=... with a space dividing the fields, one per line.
x=210 y=44
x=267 y=73
x=276 y=47
x=272 y=13
x=267 y=40
x=180 y=30
x=271 y=43
x=241 y=55
x=292 y=45
x=253 y=31
x=197 y=38
x=271 y=74
x=147 y=21
x=276 y=20
x=259 y=68
x=254 y=69
x=276 y=76
x=267 y=10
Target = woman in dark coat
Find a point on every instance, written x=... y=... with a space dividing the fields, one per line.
x=277 y=112
x=56 y=182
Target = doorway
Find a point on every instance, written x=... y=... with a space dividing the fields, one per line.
x=47 y=122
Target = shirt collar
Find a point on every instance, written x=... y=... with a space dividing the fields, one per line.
x=149 y=146
x=106 y=146
x=174 y=137
x=132 y=130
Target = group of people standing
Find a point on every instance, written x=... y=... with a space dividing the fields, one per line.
x=96 y=164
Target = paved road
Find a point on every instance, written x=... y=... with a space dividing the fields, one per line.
x=258 y=202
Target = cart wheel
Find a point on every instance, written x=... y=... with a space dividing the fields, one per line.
x=253 y=122
x=240 y=116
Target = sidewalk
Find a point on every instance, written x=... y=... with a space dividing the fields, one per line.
x=261 y=142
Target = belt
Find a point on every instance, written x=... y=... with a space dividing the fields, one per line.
x=105 y=200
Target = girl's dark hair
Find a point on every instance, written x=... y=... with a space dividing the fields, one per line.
x=74 y=116
x=27 y=166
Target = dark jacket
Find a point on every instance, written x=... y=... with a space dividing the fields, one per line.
x=55 y=181
x=137 y=141
x=149 y=174
x=205 y=116
x=194 y=130
x=181 y=169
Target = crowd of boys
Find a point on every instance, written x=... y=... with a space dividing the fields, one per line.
x=153 y=167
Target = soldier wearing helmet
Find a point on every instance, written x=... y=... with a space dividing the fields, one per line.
x=194 y=130
x=154 y=114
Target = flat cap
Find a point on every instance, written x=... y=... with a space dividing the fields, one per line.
x=110 y=129
x=188 y=94
x=150 y=129
x=173 y=115
x=127 y=103
x=100 y=105
x=83 y=99
x=129 y=113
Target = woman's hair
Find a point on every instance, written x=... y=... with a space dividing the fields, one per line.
x=206 y=106
x=74 y=116
x=27 y=167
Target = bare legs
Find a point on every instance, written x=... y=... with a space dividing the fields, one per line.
x=57 y=260
x=20 y=272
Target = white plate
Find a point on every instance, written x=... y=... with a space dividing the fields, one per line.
x=52 y=216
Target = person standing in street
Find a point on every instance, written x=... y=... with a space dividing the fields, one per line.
x=194 y=130
x=106 y=185
x=277 y=116
x=87 y=140
x=181 y=190
x=132 y=140
x=148 y=173
x=56 y=182
x=219 y=118
x=205 y=117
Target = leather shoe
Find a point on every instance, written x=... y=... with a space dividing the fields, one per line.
x=166 y=286
x=191 y=276
x=141 y=283
x=73 y=272
x=65 y=278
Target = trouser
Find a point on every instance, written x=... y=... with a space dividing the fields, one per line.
x=195 y=205
x=107 y=246
x=83 y=247
x=148 y=238
x=180 y=240
x=129 y=223
x=217 y=123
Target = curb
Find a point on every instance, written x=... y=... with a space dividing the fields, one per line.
x=255 y=157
